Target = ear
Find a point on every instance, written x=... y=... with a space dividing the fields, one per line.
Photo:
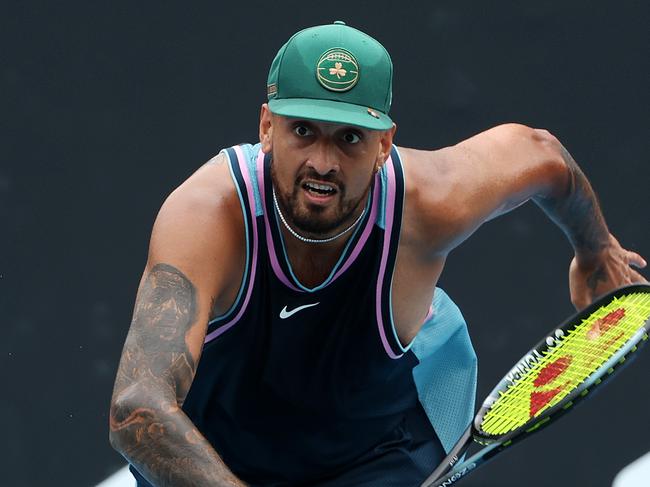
x=266 y=129
x=385 y=146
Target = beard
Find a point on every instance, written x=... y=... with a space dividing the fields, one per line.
x=313 y=219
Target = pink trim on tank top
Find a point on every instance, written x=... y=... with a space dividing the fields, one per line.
x=269 y=237
x=390 y=214
x=275 y=264
x=429 y=314
x=366 y=231
x=243 y=167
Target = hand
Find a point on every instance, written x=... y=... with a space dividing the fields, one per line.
x=595 y=275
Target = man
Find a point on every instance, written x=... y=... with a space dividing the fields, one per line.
x=287 y=328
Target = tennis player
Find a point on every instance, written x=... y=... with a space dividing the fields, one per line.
x=288 y=330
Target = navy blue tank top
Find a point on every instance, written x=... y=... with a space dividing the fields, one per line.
x=297 y=384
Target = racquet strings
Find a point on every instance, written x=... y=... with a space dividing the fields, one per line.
x=569 y=361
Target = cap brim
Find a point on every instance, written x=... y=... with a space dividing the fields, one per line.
x=331 y=111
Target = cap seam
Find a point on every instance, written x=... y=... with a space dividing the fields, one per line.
x=390 y=91
x=284 y=51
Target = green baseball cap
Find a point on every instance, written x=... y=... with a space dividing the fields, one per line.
x=332 y=73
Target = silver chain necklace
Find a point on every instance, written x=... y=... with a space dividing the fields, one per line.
x=313 y=240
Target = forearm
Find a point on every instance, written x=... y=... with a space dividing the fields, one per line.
x=164 y=445
x=147 y=424
x=600 y=263
x=575 y=209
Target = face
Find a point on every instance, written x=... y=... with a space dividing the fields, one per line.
x=321 y=172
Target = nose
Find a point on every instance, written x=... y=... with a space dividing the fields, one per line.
x=324 y=159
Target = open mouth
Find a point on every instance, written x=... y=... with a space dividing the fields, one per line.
x=318 y=189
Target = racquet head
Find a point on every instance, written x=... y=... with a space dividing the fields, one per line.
x=566 y=365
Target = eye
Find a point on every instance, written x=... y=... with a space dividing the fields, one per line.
x=351 y=137
x=302 y=131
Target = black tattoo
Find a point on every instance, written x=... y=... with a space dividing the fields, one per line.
x=595 y=277
x=156 y=370
x=578 y=212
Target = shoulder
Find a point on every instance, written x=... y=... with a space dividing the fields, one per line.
x=432 y=182
x=452 y=190
x=200 y=225
x=207 y=196
x=509 y=137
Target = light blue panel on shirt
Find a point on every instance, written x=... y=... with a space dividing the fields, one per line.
x=446 y=375
x=250 y=153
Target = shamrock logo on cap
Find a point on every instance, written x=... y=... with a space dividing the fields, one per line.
x=337 y=70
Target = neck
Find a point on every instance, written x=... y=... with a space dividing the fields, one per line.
x=342 y=234
x=312 y=263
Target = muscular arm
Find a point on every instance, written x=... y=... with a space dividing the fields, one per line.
x=502 y=168
x=576 y=210
x=162 y=350
x=600 y=263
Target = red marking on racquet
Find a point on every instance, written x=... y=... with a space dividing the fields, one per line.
x=539 y=399
x=552 y=371
x=601 y=326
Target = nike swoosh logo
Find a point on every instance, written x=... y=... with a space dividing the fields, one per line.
x=284 y=314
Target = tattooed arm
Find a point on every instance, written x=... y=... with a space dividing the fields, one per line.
x=496 y=171
x=162 y=349
x=600 y=263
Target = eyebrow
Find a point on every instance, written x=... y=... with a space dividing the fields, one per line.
x=315 y=123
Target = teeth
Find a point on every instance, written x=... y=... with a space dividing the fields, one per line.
x=321 y=187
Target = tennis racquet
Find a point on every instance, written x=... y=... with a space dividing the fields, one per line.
x=560 y=372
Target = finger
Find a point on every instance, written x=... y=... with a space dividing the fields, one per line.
x=636 y=260
x=581 y=301
x=638 y=278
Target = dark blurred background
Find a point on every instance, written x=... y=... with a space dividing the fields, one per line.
x=105 y=107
